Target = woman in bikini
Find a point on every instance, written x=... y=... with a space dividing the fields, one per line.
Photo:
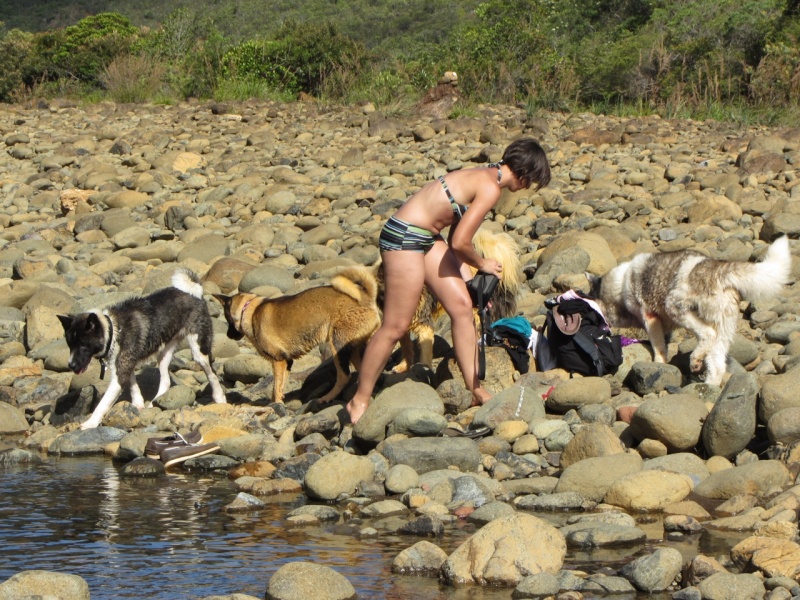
x=415 y=254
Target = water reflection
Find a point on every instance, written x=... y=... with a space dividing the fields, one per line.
x=170 y=538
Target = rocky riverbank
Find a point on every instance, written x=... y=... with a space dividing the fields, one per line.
x=103 y=202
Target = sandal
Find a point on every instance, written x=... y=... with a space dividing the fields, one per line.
x=473 y=434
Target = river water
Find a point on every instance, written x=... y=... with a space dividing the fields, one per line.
x=169 y=537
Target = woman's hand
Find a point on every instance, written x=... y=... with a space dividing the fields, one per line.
x=492 y=267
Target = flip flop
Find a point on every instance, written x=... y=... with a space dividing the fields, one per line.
x=473 y=434
x=567 y=324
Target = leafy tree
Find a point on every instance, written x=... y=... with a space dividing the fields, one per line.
x=15 y=46
x=506 y=53
x=92 y=43
x=192 y=49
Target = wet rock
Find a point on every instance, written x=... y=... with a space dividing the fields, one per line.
x=320 y=512
x=598 y=535
x=384 y=508
x=44 y=584
x=654 y=572
x=529 y=546
x=490 y=511
x=555 y=501
x=730 y=586
x=337 y=473
x=539 y=585
x=401 y=478
x=259 y=486
x=143 y=467
x=303 y=580
x=13 y=457
x=421 y=558
x=244 y=503
x=423 y=526
x=296 y=467
x=91 y=441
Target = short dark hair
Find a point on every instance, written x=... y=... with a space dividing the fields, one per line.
x=528 y=161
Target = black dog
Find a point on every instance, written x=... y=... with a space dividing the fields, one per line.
x=129 y=332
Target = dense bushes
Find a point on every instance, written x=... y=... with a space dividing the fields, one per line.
x=298 y=59
x=651 y=54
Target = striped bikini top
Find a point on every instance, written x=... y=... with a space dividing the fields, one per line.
x=458 y=209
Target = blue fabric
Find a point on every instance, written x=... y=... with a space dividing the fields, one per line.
x=518 y=323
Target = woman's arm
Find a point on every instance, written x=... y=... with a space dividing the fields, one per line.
x=461 y=238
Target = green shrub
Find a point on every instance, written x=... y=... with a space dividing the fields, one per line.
x=67 y=60
x=191 y=48
x=93 y=43
x=776 y=79
x=15 y=46
x=132 y=78
x=505 y=55
x=249 y=88
x=299 y=58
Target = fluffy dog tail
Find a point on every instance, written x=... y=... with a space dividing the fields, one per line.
x=357 y=282
x=502 y=248
x=764 y=280
x=187 y=281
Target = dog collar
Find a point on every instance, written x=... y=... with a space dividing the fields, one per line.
x=241 y=313
x=102 y=358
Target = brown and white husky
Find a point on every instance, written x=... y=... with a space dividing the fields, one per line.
x=663 y=291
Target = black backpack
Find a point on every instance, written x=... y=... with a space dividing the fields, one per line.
x=576 y=338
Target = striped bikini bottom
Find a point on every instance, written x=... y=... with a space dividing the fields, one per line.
x=399 y=235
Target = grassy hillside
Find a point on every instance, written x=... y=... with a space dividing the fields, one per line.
x=376 y=23
x=706 y=58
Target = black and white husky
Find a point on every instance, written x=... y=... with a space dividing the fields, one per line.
x=125 y=334
x=663 y=291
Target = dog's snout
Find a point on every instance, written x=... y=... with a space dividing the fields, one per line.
x=234 y=333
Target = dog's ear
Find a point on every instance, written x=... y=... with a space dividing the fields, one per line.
x=92 y=323
x=66 y=322
x=223 y=299
x=594 y=284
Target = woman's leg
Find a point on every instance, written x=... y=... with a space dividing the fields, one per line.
x=443 y=276
x=404 y=278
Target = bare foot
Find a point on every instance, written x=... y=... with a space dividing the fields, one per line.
x=356 y=409
x=480 y=397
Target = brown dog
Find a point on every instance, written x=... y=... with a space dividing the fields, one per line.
x=343 y=314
